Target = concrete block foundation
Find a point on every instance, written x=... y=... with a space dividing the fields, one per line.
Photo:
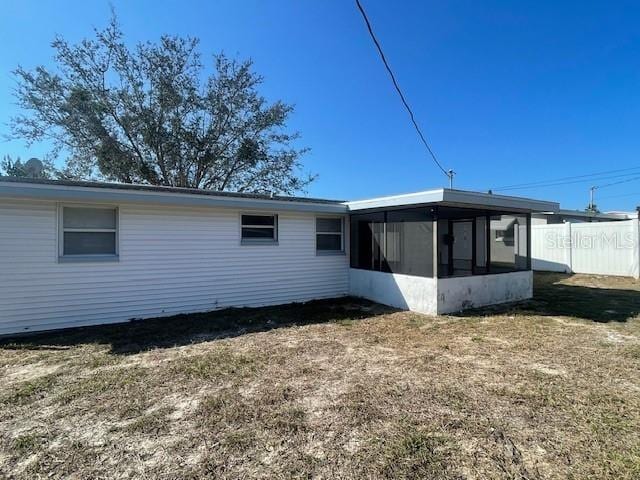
x=440 y=295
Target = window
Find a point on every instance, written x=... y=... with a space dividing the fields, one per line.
x=366 y=241
x=481 y=245
x=474 y=243
x=397 y=241
x=88 y=232
x=259 y=229
x=409 y=242
x=329 y=235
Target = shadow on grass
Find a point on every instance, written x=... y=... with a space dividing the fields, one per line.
x=141 y=335
x=551 y=297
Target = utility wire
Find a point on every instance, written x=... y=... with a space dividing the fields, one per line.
x=397 y=87
x=542 y=183
x=635 y=194
x=598 y=187
x=560 y=183
x=617 y=183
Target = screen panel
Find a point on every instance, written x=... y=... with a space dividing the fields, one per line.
x=89 y=243
x=89 y=218
x=397 y=241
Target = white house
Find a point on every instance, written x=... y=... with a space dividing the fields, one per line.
x=579 y=216
x=82 y=253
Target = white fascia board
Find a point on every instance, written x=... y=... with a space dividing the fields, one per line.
x=68 y=193
x=65 y=193
x=628 y=215
x=428 y=196
x=580 y=213
x=458 y=198
x=480 y=200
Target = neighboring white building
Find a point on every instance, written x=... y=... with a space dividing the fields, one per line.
x=578 y=216
x=80 y=253
x=597 y=248
x=573 y=241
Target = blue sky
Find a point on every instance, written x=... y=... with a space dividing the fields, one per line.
x=506 y=92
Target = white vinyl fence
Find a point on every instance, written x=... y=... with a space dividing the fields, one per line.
x=600 y=248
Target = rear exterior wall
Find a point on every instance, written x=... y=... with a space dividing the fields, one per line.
x=171 y=260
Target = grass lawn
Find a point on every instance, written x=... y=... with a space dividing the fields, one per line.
x=548 y=388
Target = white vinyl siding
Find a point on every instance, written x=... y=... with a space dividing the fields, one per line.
x=172 y=260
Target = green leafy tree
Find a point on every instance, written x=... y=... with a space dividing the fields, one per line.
x=16 y=168
x=11 y=167
x=151 y=114
x=592 y=208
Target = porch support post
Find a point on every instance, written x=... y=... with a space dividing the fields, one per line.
x=488 y=232
x=528 y=241
x=473 y=245
x=450 y=240
x=434 y=247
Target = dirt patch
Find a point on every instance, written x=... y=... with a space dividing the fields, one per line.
x=342 y=389
x=29 y=372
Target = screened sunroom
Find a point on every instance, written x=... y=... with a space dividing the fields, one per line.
x=442 y=250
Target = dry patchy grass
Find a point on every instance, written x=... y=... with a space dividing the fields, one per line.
x=346 y=389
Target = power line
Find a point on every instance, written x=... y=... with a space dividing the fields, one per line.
x=598 y=187
x=397 y=87
x=635 y=194
x=571 y=179
x=617 y=183
x=565 y=182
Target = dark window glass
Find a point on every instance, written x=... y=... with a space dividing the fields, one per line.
x=481 y=245
x=398 y=241
x=365 y=246
x=89 y=231
x=89 y=218
x=499 y=243
x=256 y=232
x=329 y=225
x=89 y=243
x=329 y=234
x=259 y=228
x=254 y=220
x=409 y=242
x=329 y=242
x=378 y=245
x=444 y=239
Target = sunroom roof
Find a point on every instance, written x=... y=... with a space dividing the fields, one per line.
x=460 y=198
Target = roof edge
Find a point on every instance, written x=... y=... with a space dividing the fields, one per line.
x=66 y=191
x=161 y=188
x=583 y=213
x=455 y=197
x=75 y=191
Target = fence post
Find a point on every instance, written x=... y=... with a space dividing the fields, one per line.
x=636 y=249
x=569 y=250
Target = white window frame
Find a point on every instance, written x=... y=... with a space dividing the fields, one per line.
x=97 y=257
x=342 y=235
x=260 y=241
